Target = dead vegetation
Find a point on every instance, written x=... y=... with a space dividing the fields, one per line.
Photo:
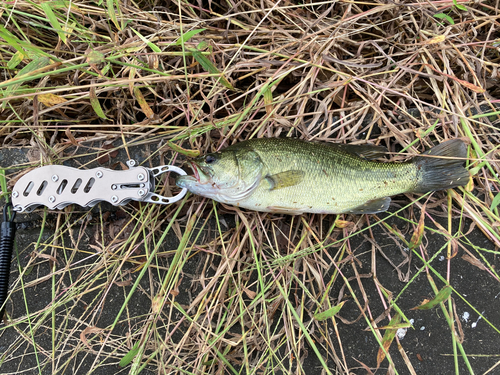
x=208 y=289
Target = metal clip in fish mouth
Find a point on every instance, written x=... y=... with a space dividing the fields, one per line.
x=152 y=197
x=57 y=186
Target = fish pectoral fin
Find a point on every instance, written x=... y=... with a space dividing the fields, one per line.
x=372 y=207
x=284 y=179
x=368 y=152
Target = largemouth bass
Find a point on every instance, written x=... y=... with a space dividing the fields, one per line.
x=292 y=176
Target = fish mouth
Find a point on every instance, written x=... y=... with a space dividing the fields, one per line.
x=194 y=167
x=201 y=175
x=199 y=182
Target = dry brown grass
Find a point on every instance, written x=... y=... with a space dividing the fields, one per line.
x=208 y=289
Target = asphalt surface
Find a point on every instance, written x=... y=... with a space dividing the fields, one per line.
x=428 y=344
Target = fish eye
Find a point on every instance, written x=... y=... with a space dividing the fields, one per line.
x=209 y=159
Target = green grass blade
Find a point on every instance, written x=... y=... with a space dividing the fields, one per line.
x=35 y=64
x=329 y=313
x=47 y=8
x=12 y=40
x=127 y=358
x=205 y=62
x=187 y=35
x=150 y=44
x=15 y=60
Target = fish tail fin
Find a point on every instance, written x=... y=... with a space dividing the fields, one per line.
x=441 y=167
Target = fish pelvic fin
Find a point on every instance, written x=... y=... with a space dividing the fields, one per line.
x=285 y=179
x=441 y=167
x=372 y=206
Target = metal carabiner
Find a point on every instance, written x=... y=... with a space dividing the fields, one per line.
x=152 y=197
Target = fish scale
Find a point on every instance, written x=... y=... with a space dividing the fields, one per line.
x=334 y=181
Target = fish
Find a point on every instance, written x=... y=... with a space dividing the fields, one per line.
x=293 y=176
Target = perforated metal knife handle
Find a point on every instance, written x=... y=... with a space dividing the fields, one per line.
x=57 y=186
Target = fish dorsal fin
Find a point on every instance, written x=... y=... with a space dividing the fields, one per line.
x=372 y=207
x=368 y=152
x=284 y=179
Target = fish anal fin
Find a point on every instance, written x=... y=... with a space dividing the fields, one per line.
x=372 y=206
x=285 y=179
